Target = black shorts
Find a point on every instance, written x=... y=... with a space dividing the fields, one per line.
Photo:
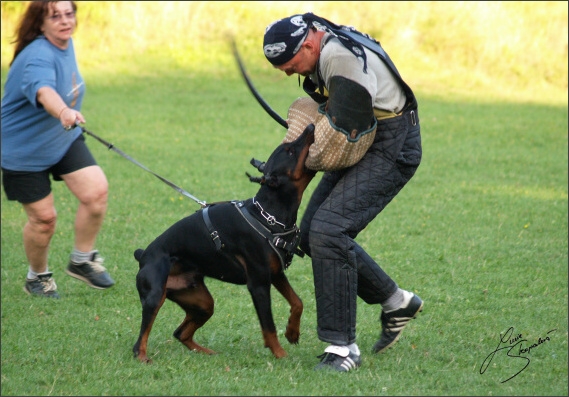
x=29 y=187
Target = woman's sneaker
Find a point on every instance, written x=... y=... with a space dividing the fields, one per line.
x=338 y=358
x=44 y=285
x=91 y=272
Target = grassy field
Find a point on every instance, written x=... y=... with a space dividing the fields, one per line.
x=480 y=232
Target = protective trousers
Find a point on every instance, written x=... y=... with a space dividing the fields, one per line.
x=342 y=205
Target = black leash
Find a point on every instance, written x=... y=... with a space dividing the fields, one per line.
x=261 y=101
x=110 y=146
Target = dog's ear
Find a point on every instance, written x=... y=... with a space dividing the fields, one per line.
x=258 y=164
x=256 y=179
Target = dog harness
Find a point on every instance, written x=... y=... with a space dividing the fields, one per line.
x=284 y=244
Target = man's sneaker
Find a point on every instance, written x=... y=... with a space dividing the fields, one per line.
x=44 y=285
x=338 y=358
x=394 y=322
x=92 y=272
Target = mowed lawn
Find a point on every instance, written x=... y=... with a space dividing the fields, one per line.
x=480 y=233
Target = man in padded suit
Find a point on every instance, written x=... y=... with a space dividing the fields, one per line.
x=350 y=73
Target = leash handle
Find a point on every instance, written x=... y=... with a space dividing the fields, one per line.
x=110 y=146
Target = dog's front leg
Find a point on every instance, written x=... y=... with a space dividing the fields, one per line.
x=261 y=295
x=282 y=285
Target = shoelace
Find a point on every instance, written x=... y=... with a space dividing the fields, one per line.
x=326 y=356
x=97 y=265
x=48 y=285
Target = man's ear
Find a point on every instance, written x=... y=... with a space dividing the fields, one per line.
x=309 y=42
x=312 y=42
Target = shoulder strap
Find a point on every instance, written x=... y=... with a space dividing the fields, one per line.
x=212 y=232
x=374 y=46
x=311 y=89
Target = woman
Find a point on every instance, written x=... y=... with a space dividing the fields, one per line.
x=40 y=137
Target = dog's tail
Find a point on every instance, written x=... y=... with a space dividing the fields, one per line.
x=138 y=254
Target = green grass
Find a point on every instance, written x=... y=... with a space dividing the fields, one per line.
x=480 y=233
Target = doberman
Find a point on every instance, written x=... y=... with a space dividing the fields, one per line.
x=241 y=242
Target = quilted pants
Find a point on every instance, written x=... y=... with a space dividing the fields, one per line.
x=342 y=205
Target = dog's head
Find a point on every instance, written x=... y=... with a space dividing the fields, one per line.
x=286 y=163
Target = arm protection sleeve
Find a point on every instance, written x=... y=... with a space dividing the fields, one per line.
x=334 y=147
x=349 y=108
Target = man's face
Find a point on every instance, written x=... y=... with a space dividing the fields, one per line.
x=303 y=63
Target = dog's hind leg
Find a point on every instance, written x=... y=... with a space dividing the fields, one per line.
x=281 y=283
x=151 y=286
x=148 y=316
x=198 y=304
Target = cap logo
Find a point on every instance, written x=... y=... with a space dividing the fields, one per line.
x=284 y=38
x=274 y=50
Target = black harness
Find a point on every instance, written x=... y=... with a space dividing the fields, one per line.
x=285 y=244
x=316 y=92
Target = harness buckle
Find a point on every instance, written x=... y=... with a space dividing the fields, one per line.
x=280 y=243
x=413 y=118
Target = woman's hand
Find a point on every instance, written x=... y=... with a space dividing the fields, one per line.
x=70 y=117
x=55 y=106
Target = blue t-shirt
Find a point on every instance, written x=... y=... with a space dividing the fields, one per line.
x=32 y=139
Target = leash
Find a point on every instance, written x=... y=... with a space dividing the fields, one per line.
x=110 y=146
x=258 y=97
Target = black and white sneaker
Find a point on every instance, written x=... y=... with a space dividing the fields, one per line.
x=91 y=272
x=395 y=321
x=338 y=358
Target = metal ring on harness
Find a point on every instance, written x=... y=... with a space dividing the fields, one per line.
x=413 y=118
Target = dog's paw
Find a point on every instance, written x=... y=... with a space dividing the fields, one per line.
x=279 y=353
x=292 y=335
x=145 y=360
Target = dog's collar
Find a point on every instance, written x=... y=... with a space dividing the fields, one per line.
x=271 y=220
x=284 y=244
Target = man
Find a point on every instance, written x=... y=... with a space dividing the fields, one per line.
x=358 y=92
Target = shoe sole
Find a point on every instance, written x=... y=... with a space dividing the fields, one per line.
x=399 y=335
x=86 y=280
x=41 y=296
x=331 y=368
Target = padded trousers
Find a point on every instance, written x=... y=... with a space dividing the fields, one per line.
x=342 y=205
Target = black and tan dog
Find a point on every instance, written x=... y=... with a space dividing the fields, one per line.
x=241 y=242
